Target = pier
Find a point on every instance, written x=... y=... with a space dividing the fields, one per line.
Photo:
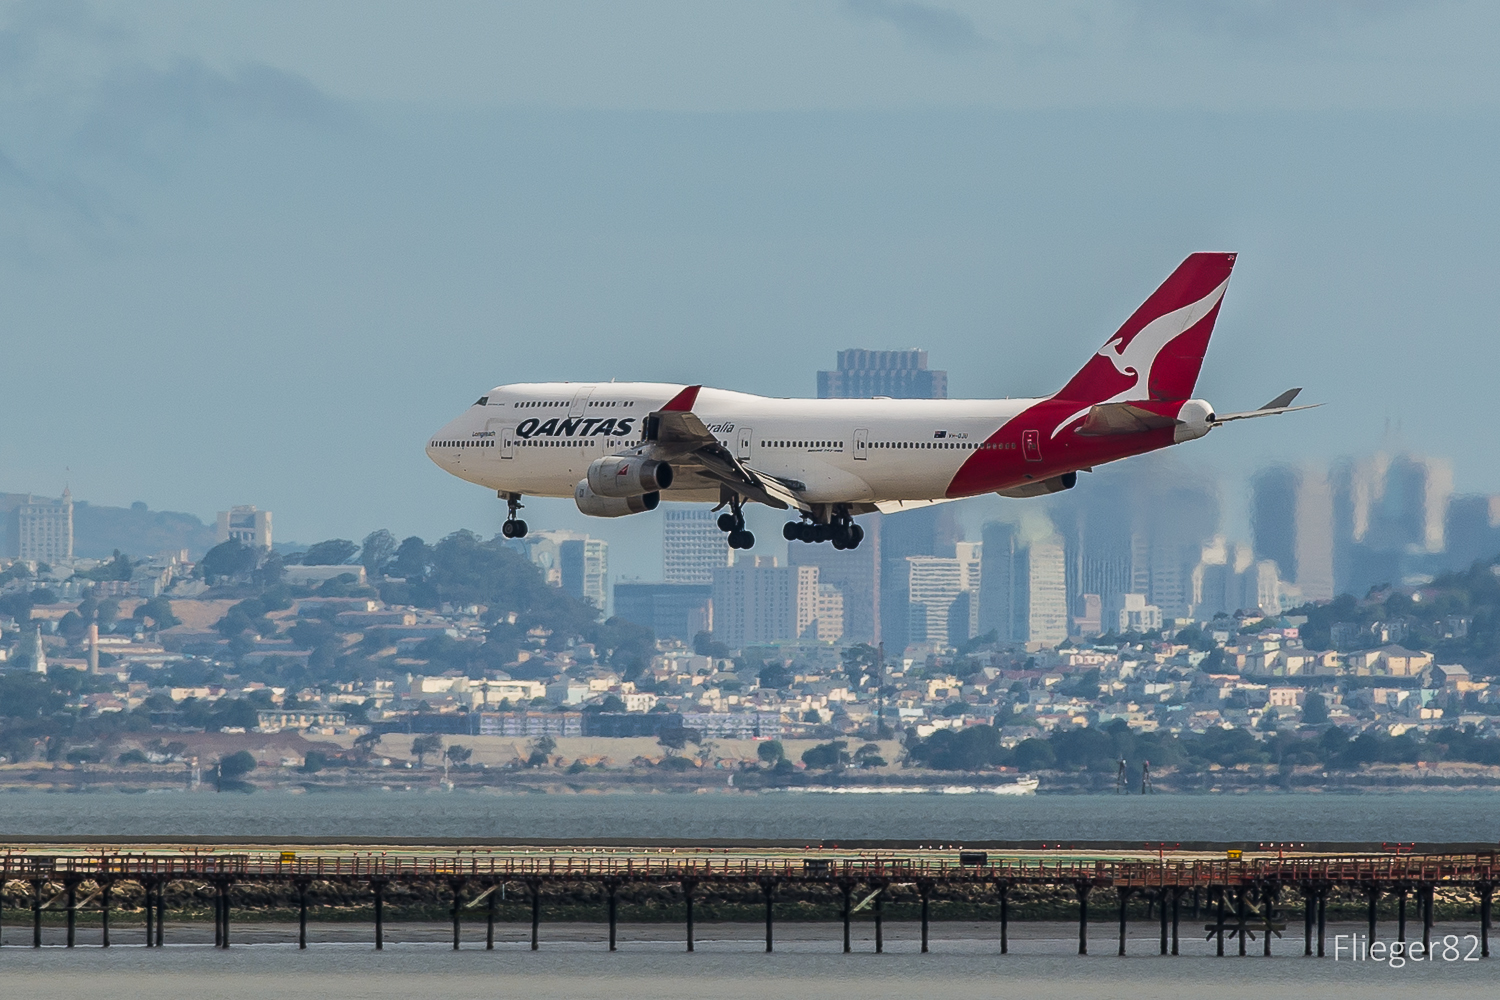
x=1249 y=895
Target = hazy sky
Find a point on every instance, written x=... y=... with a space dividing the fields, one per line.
x=256 y=253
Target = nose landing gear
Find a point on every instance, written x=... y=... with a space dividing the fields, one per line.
x=732 y=521
x=513 y=527
x=839 y=529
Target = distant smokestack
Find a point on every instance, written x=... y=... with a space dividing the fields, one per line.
x=93 y=647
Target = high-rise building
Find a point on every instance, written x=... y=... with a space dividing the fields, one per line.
x=829 y=621
x=43 y=529
x=1291 y=522
x=934 y=583
x=585 y=569
x=863 y=374
x=692 y=546
x=856 y=574
x=1390 y=519
x=1025 y=593
x=925 y=531
x=671 y=610
x=245 y=525
x=757 y=601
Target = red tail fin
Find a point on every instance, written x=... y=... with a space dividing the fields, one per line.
x=1157 y=353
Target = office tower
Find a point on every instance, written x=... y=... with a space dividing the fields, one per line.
x=1138 y=528
x=1291 y=523
x=934 y=583
x=856 y=574
x=757 y=601
x=1025 y=592
x=692 y=546
x=1390 y=519
x=245 y=525
x=43 y=529
x=864 y=374
x=671 y=610
x=926 y=531
x=584 y=565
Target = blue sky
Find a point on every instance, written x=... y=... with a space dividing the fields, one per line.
x=255 y=253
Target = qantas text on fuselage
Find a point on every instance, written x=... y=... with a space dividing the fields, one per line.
x=620 y=448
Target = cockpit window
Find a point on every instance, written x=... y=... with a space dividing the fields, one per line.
x=483 y=401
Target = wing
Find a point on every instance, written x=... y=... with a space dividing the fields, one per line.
x=678 y=435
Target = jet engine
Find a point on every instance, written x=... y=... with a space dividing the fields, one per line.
x=1041 y=487
x=628 y=476
x=594 y=505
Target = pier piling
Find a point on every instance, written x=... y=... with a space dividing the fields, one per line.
x=1125 y=894
x=1004 y=888
x=768 y=887
x=609 y=889
x=377 y=886
x=688 y=885
x=1084 y=888
x=1401 y=892
x=161 y=911
x=36 y=913
x=105 y=888
x=1372 y=894
x=1176 y=908
x=1161 y=905
x=1322 y=918
x=458 y=899
x=489 y=919
x=879 y=919
x=1486 y=894
x=536 y=912
x=302 y=914
x=925 y=889
x=846 y=890
x=70 y=888
x=1426 y=894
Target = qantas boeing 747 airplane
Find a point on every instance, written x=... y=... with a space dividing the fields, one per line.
x=622 y=447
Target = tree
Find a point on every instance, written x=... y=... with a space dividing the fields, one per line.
x=828 y=756
x=675 y=739
x=413 y=557
x=334 y=552
x=458 y=754
x=236 y=765
x=159 y=611
x=541 y=751
x=771 y=752
x=424 y=745
x=869 y=756
x=227 y=560
x=860 y=664
x=378 y=549
x=314 y=761
x=1314 y=709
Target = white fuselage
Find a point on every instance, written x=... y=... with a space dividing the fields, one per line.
x=538 y=439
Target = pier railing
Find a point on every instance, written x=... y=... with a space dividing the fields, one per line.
x=1143 y=873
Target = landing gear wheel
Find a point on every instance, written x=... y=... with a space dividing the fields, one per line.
x=791 y=531
x=513 y=529
x=728 y=522
x=856 y=535
x=741 y=539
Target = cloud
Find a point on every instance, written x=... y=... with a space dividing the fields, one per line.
x=921 y=24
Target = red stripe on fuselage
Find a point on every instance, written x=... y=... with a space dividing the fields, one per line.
x=995 y=468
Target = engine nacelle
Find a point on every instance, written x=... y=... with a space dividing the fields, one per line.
x=628 y=476
x=594 y=505
x=1196 y=416
x=1041 y=487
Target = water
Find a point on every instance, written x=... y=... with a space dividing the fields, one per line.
x=729 y=970
x=1438 y=817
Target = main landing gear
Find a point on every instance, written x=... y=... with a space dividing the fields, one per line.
x=513 y=527
x=733 y=522
x=839 y=529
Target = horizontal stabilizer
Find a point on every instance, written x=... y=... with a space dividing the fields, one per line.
x=1281 y=404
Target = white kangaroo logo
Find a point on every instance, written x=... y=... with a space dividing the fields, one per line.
x=1136 y=357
